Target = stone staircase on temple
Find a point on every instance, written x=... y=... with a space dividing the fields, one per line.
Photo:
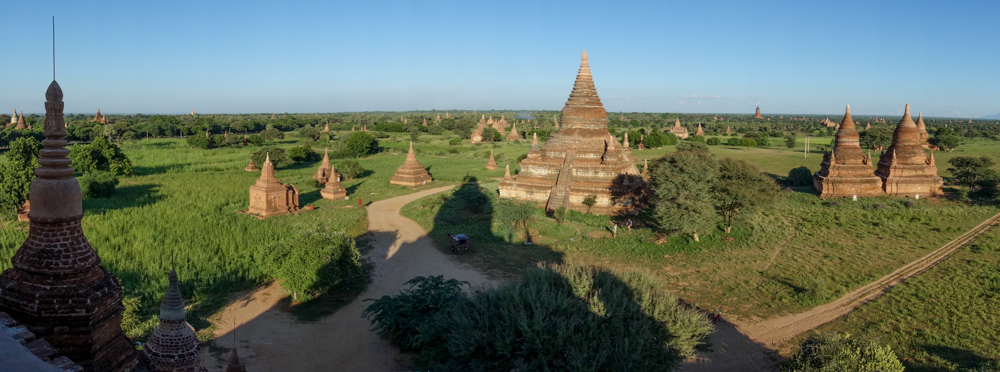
x=559 y=196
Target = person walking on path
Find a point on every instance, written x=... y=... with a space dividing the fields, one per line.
x=628 y=224
x=614 y=229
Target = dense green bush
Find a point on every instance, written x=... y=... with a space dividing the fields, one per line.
x=98 y=184
x=279 y=158
x=733 y=141
x=361 y=144
x=349 y=169
x=713 y=141
x=555 y=318
x=255 y=139
x=271 y=134
x=17 y=172
x=100 y=155
x=800 y=176
x=455 y=141
x=315 y=261
x=200 y=142
x=300 y=154
x=842 y=353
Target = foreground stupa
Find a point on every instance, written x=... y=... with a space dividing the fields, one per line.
x=846 y=172
x=57 y=288
x=173 y=345
x=905 y=169
x=333 y=190
x=411 y=173
x=269 y=197
x=582 y=158
x=325 y=170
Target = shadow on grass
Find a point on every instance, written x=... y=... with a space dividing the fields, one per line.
x=309 y=197
x=470 y=211
x=146 y=170
x=964 y=359
x=124 y=197
x=352 y=189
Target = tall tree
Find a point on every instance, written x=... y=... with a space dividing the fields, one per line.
x=681 y=183
x=741 y=188
x=968 y=171
x=18 y=171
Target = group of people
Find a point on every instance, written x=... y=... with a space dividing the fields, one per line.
x=614 y=227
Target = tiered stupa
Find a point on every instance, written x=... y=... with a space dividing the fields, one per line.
x=13 y=119
x=251 y=167
x=268 y=197
x=98 y=118
x=325 y=170
x=332 y=190
x=700 y=131
x=757 y=115
x=905 y=169
x=678 y=130
x=491 y=164
x=514 y=135
x=924 y=136
x=21 y=124
x=411 y=173
x=582 y=158
x=173 y=346
x=846 y=172
x=56 y=287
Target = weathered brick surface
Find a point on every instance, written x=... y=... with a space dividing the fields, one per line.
x=411 y=173
x=268 y=197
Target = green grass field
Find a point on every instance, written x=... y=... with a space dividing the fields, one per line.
x=942 y=320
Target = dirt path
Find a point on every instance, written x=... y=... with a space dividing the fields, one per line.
x=271 y=340
x=773 y=331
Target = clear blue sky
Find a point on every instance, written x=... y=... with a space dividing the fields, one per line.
x=658 y=56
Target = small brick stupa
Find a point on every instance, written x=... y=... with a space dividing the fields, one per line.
x=514 y=135
x=56 y=287
x=905 y=169
x=924 y=136
x=846 y=171
x=21 y=124
x=325 y=170
x=251 y=167
x=678 y=130
x=333 y=190
x=173 y=346
x=582 y=158
x=411 y=173
x=757 y=114
x=492 y=163
x=268 y=197
x=700 y=131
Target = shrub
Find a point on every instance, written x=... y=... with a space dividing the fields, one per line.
x=133 y=325
x=435 y=129
x=98 y=184
x=713 y=141
x=555 y=318
x=455 y=141
x=349 y=169
x=199 y=142
x=255 y=139
x=800 y=176
x=696 y=139
x=734 y=142
x=317 y=260
x=100 y=155
x=841 y=353
x=300 y=154
x=361 y=144
x=18 y=171
x=271 y=134
x=748 y=142
x=279 y=158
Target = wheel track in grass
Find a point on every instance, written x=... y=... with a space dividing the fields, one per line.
x=773 y=332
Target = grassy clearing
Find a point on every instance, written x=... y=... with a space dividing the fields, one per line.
x=942 y=320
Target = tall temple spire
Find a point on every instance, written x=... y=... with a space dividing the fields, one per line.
x=267 y=176
x=584 y=108
x=56 y=286
x=173 y=345
x=506 y=172
x=924 y=136
x=492 y=163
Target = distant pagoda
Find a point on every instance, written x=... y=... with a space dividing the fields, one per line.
x=325 y=170
x=700 y=131
x=21 y=124
x=57 y=288
x=582 y=158
x=514 y=135
x=924 y=137
x=679 y=130
x=411 y=173
x=905 y=169
x=491 y=164
x=269 y=197
x=251 y=167
x=846 y=172
x=757 y=114
x=173 y=346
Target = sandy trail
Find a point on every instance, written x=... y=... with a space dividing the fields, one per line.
x=773 y=331
x=270 y=339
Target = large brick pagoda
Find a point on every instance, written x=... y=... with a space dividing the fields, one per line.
x=582 y=158
x=846 y=172
x=57 y=287
x=905 y=169
x=411 y=173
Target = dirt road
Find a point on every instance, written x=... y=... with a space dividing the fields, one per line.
x=773 y=331
x=271 y=340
